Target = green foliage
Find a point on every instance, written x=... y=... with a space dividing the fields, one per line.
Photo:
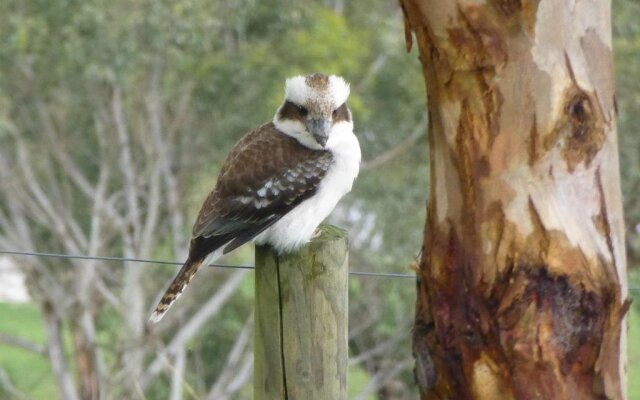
x=29 y=372
x=633 y=353
x=633 y=342
x=358 y=379
x=626 y=43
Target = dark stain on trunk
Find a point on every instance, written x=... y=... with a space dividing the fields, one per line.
x=544 y=332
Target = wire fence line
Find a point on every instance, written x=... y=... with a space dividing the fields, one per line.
x=146 y=261
x=213 y=265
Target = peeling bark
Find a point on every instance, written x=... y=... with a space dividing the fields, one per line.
x=522 y=285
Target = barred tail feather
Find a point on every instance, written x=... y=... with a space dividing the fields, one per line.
x=174 y=291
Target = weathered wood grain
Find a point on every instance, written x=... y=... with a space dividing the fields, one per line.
x=301 y=347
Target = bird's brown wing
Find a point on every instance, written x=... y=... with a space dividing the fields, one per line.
x=265 y=176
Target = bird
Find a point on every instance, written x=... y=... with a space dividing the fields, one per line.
x=279 y=181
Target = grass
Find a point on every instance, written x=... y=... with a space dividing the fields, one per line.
x=633 y=342
x=358 y=379
x=28 y=372
x=634 y=351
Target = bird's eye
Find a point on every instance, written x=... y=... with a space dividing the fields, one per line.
x=337 y=110
x=303 y=110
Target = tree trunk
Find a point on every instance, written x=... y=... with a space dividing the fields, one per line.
x=522 y=283
x=56 y=354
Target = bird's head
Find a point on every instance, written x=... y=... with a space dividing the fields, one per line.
x=314 y=106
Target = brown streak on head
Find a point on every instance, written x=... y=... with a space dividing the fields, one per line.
x=317 y=81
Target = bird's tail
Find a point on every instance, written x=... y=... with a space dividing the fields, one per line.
x=174 y=291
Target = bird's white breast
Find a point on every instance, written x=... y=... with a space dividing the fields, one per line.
x=296 y=227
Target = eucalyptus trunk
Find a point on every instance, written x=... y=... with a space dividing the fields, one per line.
x=522 y=284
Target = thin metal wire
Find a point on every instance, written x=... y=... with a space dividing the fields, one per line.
x=123 y=259
x=382 y=274
x=142 y=260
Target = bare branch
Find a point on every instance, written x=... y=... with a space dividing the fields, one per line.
x=126 y=160
x=8 y=387
x=164 y=160
x=243 y=373
x=108 y=295
x=152 y=207
x=132 y=289
x=177 y=377
x=232 y=376
x=372 y=71
x=79 y=179
x=399 y=149
x=192 y=327
x=19 y=235
x=182 y=111
x=380 y=348
x=378 y=380
x=57 y=357
x=44 y=203
x=23 y=344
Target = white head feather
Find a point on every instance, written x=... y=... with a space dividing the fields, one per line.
x=319 y=95
x=298 y=90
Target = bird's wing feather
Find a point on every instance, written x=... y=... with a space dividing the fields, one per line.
x=265 y=176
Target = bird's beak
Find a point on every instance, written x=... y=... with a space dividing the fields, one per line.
x=319 y=128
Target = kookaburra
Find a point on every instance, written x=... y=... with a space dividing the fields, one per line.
x=280 y=180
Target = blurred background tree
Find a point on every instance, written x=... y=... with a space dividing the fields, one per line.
x=114 y=120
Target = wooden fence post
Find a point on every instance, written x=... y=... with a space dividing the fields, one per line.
x=301 y=349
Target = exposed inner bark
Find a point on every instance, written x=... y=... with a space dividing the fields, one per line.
x=522 y=283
